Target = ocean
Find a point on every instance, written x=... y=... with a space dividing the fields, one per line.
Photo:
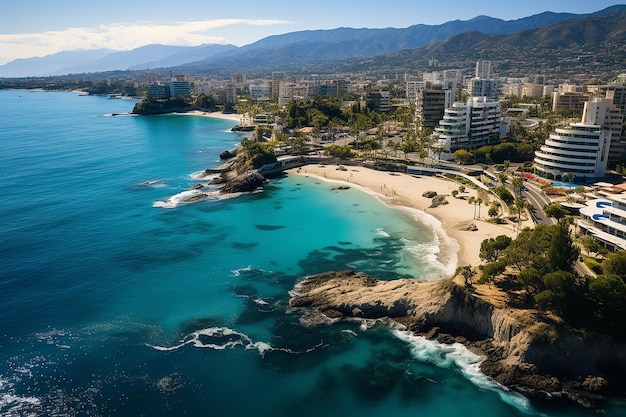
x=119 y=300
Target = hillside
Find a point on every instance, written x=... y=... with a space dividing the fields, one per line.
x=594 y=46
x=291 y=51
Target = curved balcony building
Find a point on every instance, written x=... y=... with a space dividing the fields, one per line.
x=580 y=149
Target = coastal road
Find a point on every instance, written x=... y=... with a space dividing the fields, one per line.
x=538 y=200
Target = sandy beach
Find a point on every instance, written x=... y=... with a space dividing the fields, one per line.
x=404 y=190
x=235 y=117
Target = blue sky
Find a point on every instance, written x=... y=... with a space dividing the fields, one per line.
x=40 y=27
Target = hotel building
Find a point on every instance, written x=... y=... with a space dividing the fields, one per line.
x=581 y=149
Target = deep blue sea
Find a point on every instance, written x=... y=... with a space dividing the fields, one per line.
x=118 y=300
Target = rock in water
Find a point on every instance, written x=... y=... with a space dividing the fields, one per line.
x=246 y=182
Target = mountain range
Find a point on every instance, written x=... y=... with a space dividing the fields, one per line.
x=347 y=45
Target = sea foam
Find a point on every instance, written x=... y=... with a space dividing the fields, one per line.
x=457 y=355
x=217 y=338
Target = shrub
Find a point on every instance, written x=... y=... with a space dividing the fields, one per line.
x=593 y=265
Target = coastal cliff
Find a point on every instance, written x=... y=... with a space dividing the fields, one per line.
x=522 y=349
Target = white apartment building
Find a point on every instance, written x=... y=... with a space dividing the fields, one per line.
x=259 y=92
x=469 y=125
x=603 y=112
x=483 y=87
x=582 y=148
x=483 y=69
x=180 y=88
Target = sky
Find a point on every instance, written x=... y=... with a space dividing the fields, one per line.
x=30 y=28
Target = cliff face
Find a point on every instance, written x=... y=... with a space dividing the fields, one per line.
x=522 y=348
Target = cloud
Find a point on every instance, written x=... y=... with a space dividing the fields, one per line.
x=119 y=37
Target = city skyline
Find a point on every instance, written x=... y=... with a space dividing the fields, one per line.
x=37 y=28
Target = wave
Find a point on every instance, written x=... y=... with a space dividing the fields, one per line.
x=178 y=199
x=442 y=251
x=218 y=338
x=202 y=175
x=457 y=355
x=15 y=405
x=381 y=232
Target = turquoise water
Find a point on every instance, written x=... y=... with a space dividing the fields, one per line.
x=118 y=300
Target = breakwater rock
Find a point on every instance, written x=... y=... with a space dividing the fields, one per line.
x=522 y=349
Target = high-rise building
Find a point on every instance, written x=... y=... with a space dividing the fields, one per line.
x=180 y=88
x=469 y=125
x=483 y=87
x=580 y=150
x=569 y=100
x=483 y=69
x=603 y=112
x=430 y=105
x=379 y=101
x=158 y=91
x=583 y=149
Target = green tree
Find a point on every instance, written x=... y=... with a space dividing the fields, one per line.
x=518 y=185
x=494 y=210
x=531 y=280
x=609 y=293
x=492 y=270
x=555 y=210
x=467 y=273
x=504 y=194
x=562 y=252
x=615 y=264
x=591 y=245
x=463 y=156
x=205 y=102
x=341 y=151
x=256 y=154
x=559 y=285
x=492 y=248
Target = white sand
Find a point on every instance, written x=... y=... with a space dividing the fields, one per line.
x=406 y=190
x=217 y=115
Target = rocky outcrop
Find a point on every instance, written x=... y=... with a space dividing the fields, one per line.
x=438 y=200
x=246 y=182
x=228 y=154
x=523 y=349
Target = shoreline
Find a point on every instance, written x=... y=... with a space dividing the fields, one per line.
x=402 y=190
x=234 y=117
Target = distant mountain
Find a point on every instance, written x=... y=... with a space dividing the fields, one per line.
x=291 y=51
x=184 y=55
x=74 y=62
x=50 y=64
x=298 y=49
x=593 y=45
